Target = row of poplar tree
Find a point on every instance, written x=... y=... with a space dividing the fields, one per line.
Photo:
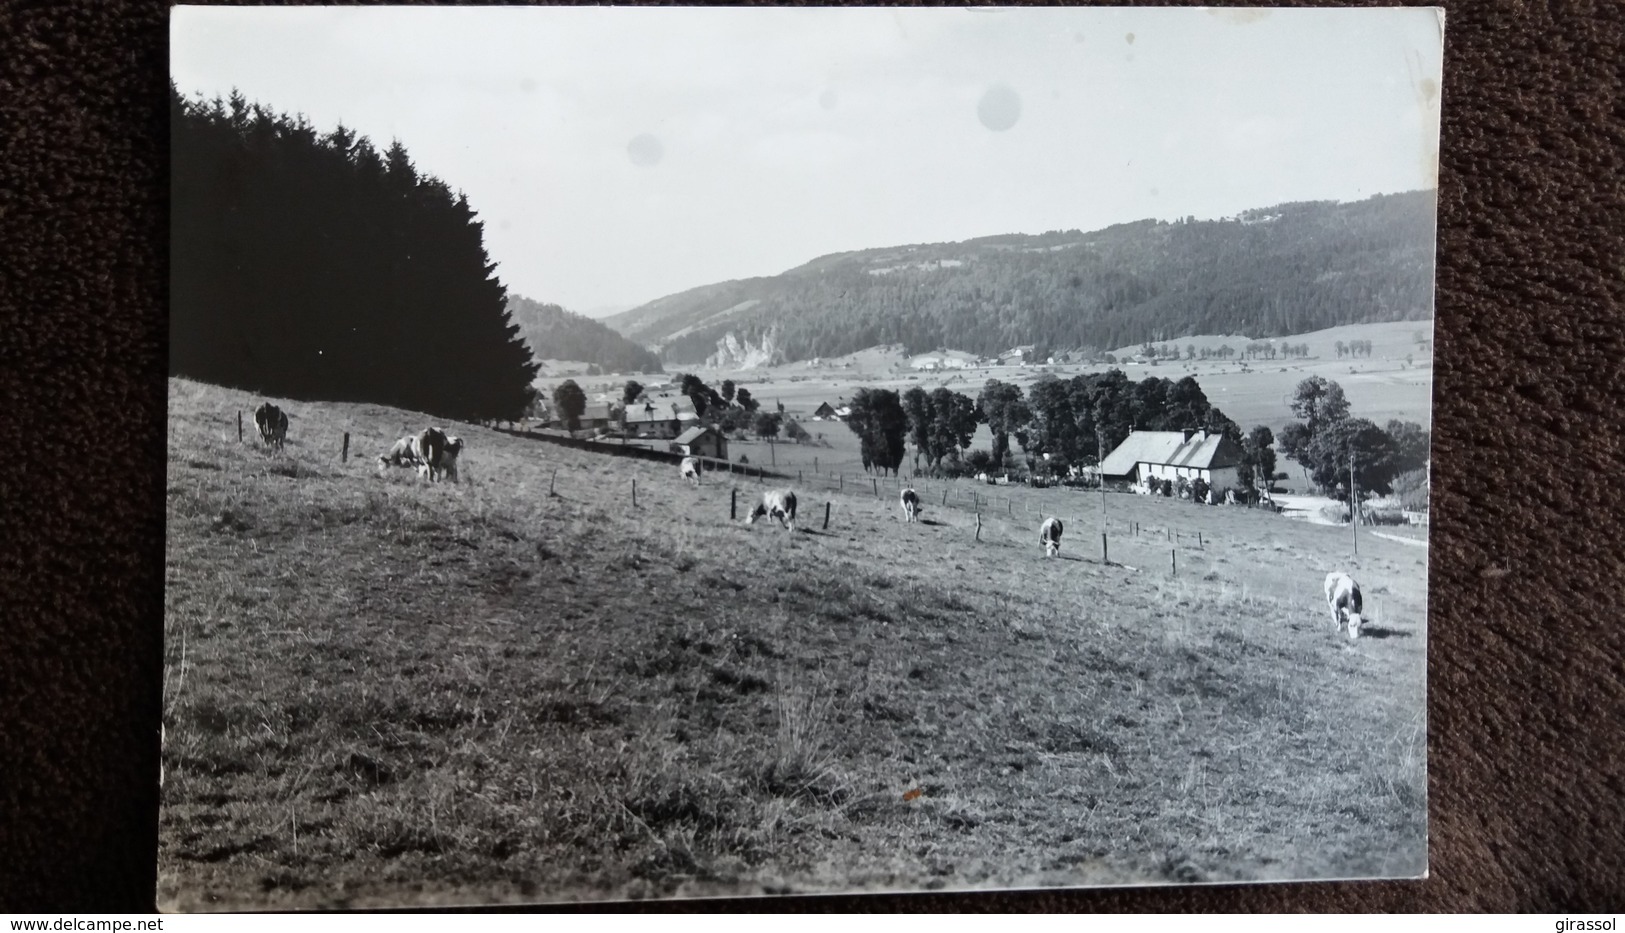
x=1062 y=422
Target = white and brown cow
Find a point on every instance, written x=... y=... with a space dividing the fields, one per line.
x=400 y=453
x=911 y=505
x=272 y=422
x=1343 y=599
x=1049 y=535
x=778 y=505
x=690 y=469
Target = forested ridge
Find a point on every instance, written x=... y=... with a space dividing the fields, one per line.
x=556 y=334
x=1271 y=272
x=313 y=266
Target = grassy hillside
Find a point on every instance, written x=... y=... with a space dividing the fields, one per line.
x=1282 y=270
x=382 y=691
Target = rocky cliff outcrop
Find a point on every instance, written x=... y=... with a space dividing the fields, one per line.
x=735 y=352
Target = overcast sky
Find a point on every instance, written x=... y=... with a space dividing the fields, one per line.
x=617 y=155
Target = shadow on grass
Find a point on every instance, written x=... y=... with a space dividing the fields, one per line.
x=1378 y=631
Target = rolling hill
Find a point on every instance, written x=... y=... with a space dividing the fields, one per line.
x=1270 y=272
x=556 y=334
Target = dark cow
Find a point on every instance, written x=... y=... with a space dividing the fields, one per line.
x=436 y=454
x=273 y=424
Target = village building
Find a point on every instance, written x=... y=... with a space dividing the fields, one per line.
x=824 y=412
x=660 y=419
x=1192 y=454
x=701 y=441
x=595 y=416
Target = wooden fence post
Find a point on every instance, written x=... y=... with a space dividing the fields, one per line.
x=945 y=497
x=978 y=526
x=1104 y=559
x=1173 y=562
x=840 y=482
x=1199 y=543
x=826 y=516
x=552 y=481
x=344 y=455
x=634 y=494
x=815 y=464
x=733 y=504
x=239 y=425
x=876 y=484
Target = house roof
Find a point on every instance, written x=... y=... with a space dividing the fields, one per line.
x=692 y=435
x=1170 y=448
x=825 y=407
x=1207 y=452
x=1142 y=447
x=643 y=414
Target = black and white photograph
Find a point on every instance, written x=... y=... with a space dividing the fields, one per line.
x=628 y=453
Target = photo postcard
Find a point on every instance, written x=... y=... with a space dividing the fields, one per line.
x=644 y=453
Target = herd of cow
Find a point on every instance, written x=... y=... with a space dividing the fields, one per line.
x=434 y=454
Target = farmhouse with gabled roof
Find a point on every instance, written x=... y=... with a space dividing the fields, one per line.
x=1193 y=454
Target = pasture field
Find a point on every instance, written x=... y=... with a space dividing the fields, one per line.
x=384 y=692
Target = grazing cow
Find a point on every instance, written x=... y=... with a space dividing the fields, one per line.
x=911 y=505
x=1049 y=535
x=400 y=454
x=690 y=469
x=1343 y=599
x=272 y=422
x=778 y=505
x=436 y=454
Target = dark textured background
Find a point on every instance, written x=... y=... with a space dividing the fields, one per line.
x=1526 y=658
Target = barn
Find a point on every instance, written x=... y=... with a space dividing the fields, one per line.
x=1193 y=454
x=825 y=412
x=702 y=442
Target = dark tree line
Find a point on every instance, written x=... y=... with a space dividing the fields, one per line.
x=314 y=266
x=1072 y=421
x=1079 y=420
